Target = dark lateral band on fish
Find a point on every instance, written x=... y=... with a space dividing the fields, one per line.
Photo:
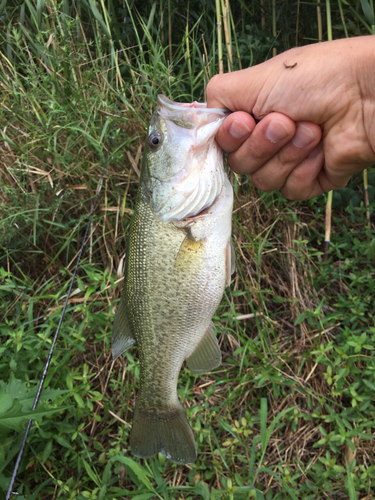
x=178 y=261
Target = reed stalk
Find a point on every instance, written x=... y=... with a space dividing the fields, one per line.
x=227 y=34
x=319 y=19
x=228 y=12
x=297 y=21
x=219 y=36
x=274 y=50
x=329 y=20
x=367 y=202
x=328 y=221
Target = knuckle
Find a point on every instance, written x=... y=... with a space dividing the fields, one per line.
x=257 y=156
x=283 y=159
x=293 y=195
x=261 y=183
x=237 y=166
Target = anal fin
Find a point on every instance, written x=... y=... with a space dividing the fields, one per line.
x=122 y=335
x=207 y=354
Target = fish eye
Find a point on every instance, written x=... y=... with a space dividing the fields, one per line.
x=154 y=140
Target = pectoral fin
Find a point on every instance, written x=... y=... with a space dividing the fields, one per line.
x=207 y=354
x=230 y=262
x=189 y=250
x=122 y=335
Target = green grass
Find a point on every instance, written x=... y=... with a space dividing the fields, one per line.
x=291 y=411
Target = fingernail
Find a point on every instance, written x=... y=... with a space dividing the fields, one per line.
x=315 y=151
x=239 y=130
x=277 y=131
x=303 y=136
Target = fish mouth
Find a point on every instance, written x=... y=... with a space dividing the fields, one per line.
x=198 y=175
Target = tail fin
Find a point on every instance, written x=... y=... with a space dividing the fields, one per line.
x=167 y=432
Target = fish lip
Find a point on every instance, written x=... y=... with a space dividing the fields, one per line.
x=172 y=106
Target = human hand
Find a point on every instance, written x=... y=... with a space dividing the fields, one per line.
x=316 y=112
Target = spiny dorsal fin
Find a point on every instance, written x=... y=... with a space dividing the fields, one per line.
x=207 y=354
x=122 y=335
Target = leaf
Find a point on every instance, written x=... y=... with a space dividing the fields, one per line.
x=6 y=402
x=368 y=12
x=16 y=402
x=369 y=384
x=79 y=400
x=138 y=470
x=144 y=496
x=47 y=451
x=63 y=442
x=14 y=418
x=300 y=318
x=19 y=390
x=205 y=492
x=91 y=473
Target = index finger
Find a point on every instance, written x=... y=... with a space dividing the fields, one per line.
x=227 y=91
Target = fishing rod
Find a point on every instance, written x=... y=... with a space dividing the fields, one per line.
x=10 y=491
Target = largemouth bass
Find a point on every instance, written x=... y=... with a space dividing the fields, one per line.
x=177 y=263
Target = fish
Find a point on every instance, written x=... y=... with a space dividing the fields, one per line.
x=178 y=261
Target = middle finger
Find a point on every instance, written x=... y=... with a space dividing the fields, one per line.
x=274 y=173
x=267 y=138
